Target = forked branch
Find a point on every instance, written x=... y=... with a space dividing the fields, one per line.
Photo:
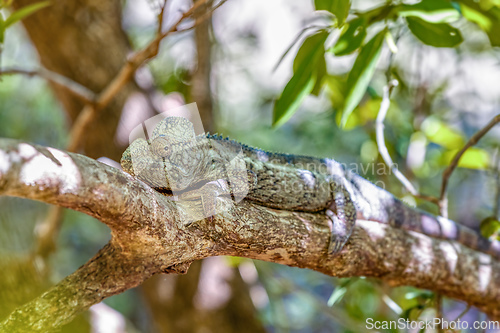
x=148 y=238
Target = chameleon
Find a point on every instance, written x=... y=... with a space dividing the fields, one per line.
x=176 y=161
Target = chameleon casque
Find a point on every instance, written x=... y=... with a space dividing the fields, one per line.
x=203 y=168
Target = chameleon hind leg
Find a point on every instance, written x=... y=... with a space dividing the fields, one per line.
x=342 y=213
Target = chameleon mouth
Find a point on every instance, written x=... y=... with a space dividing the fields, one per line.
x=168 y=191
x=164 y=191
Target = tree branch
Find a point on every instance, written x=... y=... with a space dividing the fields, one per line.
x=148 y=237
x=454 y=163
x=110 y=272
x=382 y=148
x=78 y=90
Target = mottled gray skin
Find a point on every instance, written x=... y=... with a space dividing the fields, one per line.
x=191 y=165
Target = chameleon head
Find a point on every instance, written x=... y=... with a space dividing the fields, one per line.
x=139 y=161
x=175 y=142
x=174 y=130
x=173 y=157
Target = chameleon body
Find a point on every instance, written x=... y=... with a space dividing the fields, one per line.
x=176 y=161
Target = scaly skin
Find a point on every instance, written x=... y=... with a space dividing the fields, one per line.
x=206 y=167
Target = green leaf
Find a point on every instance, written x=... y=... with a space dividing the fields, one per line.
x=320 y=70
x=438 y=35
x=339 y=8
x=337 y=295
x=385 y=12
x=311 y=50
x=2 y=30
x=488 y=20
x=361 y=73
x=340 y=291
x=442 y=134
x=309 y=69
x=490 y=227
x=351 y=38
x=473 y=158
x=294 y=93
x=432 y=11
x=422 y=296
x=24 y=12
x=336 y=90
x=391 y=43
x=483 y=21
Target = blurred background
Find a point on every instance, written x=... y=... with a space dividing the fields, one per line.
x=230 y=66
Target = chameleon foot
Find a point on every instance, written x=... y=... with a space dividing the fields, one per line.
x=340 y=234
x=343 y=219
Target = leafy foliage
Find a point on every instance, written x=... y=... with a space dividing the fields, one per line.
x=339 y=8
x=309 y=69
x=427 y=20
x=434 y=34
x=361 y=73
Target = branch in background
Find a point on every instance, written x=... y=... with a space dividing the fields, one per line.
x=201 y=85
x=85 y=94
x=52 y=222
x=111 y=271
x=382 y=148
x=89 y=112
x=149 y=238
x=47 y=231
x=443 y=200
x=161 y=17
x=203 y=18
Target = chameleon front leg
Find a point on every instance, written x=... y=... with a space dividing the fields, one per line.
x=342 y=213
x=207 y=197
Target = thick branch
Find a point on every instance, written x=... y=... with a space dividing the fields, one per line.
x=110 y=272
x=148 y=232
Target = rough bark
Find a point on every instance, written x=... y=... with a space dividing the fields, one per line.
x=111 y=271
x=148 y=238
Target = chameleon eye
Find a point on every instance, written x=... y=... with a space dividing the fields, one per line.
x=161 y=147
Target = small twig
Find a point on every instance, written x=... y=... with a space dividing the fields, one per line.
x=463 y=313
x=443 y=201
x=47 y=230
x=384 y=107
x=294 y=41
x=202 y=18
x=160 y=17
x=439 y=310
x=80 y=91
x=382 y=148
